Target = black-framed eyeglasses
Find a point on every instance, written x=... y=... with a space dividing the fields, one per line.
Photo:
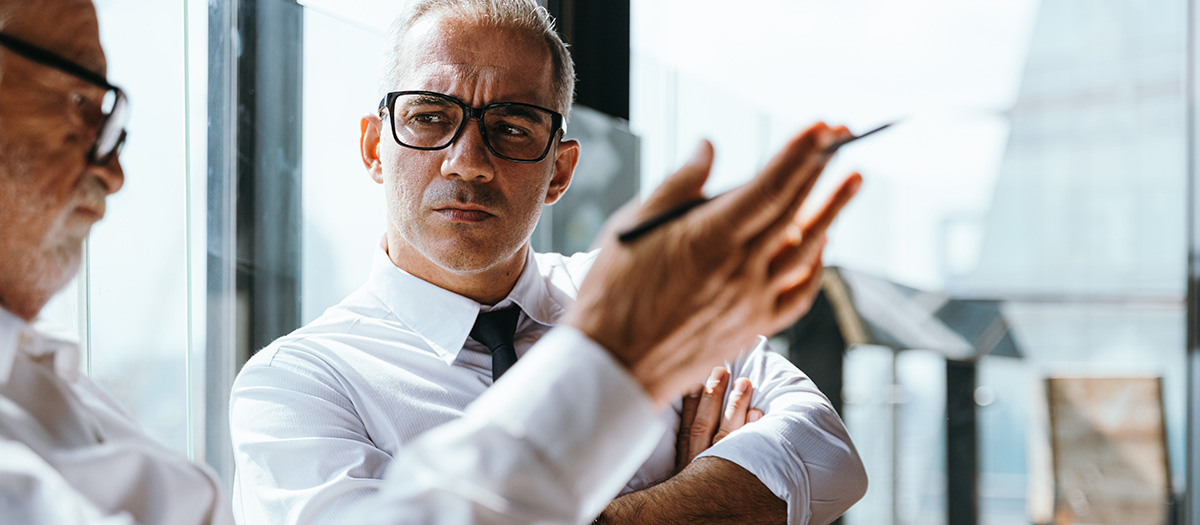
x=114 y=108
x=427 y=120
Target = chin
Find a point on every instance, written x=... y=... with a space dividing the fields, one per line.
x=64 y=264
x=468 y=262
x=64 y=253
x=45 y=272
x=459 y=253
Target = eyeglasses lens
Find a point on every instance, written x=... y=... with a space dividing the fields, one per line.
x=516 y=131
x=111 y=136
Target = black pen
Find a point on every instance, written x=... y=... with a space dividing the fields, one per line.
x=654 y=222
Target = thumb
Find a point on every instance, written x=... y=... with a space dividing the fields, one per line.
x=686 y=184
x=754 y=415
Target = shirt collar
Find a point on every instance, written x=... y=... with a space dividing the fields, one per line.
x=533 y=296
x=443 y=318
x=18 y=336
x=11 y=327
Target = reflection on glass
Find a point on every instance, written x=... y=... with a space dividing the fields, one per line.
x=137 y=296
x=1053 y=179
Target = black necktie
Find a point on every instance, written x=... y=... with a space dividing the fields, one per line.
x=495 y=330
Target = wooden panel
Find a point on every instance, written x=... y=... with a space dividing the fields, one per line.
x=1109 y=444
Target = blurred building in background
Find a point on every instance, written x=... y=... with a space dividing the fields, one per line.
x=1041 y=158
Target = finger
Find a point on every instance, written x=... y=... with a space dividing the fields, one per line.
x=783 y=183
x=691 y=401
x=799 y=253
x=809 y=181
x=795 y=260
x=687 y=416
x=735 y=408
x=685 y=185
x=708 y=412
x=795 y=302
x=754 y=415
x=790 y=218
x=824 y=217
x=767 y=242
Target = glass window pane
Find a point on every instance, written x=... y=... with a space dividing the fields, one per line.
x=1040 y=161
x=343 y=211
x=137 y=286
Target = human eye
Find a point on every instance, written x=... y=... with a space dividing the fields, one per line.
x=510 y=129
x=424 y=114
x=426 y=118
x=427 y=113
x=517 y=122
x=85 y=108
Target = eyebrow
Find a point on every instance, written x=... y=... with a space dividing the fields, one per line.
x=522 y=110
x=426 y=99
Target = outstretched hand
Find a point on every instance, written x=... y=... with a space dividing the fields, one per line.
x=697 y=291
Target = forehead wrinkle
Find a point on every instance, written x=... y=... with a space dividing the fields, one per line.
x=474 y=84
x=478 y=60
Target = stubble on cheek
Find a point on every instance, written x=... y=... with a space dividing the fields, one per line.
x=458 y=248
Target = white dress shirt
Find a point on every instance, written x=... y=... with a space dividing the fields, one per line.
x=70 y=455
x=321 y=415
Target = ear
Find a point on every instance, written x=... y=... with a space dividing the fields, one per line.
x=564 y=168
x=368 y=145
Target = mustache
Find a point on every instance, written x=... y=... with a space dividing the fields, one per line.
x=92 y=192
x=457 y=191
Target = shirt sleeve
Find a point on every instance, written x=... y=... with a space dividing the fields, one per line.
x=800 y=449
x=33 y=493
x=303 y=454
x=552 y=442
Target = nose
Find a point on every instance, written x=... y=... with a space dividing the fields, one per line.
x=468 y=157
x=110 y=173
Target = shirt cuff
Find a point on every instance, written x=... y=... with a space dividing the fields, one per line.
x=574 y=403
x=818 y=486
x=786 y=477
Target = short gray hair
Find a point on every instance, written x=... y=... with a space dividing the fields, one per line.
x=522 y=15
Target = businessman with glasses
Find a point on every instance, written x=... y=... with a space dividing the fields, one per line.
x=467 y=144
x=69 y=455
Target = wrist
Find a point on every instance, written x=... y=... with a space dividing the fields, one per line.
x=636 y=360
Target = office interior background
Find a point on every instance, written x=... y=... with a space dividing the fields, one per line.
x=1043 y=158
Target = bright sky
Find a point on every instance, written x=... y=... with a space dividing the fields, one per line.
x=868 y=58
x=947 y=69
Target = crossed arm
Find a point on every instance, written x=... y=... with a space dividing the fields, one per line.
x=710 y=489
x=795 y=464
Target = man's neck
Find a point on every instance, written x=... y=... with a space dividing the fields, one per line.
x=489 y=286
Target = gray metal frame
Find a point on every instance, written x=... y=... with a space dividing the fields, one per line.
x=220 y=361
x=1191 y=506
x=254 y=148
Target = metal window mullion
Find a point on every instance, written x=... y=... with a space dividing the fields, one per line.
x=1191 y=507
x=221 y=343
